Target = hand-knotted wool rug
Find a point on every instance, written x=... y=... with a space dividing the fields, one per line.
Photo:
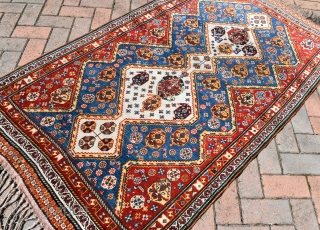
x=144 y=122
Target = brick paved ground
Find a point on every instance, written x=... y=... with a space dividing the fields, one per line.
x=280 y=190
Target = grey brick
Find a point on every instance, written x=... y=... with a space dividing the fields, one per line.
x=301 y=122
x=80 y=27
x=137 y=3
x=52 y=7
x=300 y=164
x=120 y=8
x=58 y=37
x=286 y=141
x=11 y=7
x=285 y=227
x=239 y=227
x=268 y=160
x=227 y=206
x=8 y=62
x=30 y=14
x=7 y=24
x=309 y=143
x=100 y=3
x=206 y=220
x=29 y=1
x=71 y=2
x=249 y=182
x=266 y=211
x=12 y=44
x=304 y=215
x=54 y=21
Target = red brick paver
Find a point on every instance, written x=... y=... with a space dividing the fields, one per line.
x=101 y=17
x=227 y=207
x=80 y=12
x=315 y=121
x=285 y=186
x=71 y=2
x=278 y=191
x=33 y=50
x=52 y=7
x=206 y=221
x=31 y=32
x=313 y=105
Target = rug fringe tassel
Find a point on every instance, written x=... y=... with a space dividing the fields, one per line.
x=15 y=211
x=307 y=13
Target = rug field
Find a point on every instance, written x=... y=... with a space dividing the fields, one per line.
x=144 y=122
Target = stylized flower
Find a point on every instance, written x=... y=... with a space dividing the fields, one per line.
x=129 y=146
x=112 y=170
x=99 y=172
x=240 y=70
x=80 y=164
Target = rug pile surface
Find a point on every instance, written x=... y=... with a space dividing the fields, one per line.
x=144 y=122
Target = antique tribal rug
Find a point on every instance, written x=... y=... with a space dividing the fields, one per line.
x=144 y=122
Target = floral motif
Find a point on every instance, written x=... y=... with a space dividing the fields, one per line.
x=277 y=41
x=180 y=137
x=137 y=202
x=107 y=94
x=47 y=121
x=156 y=138
x=107 y=74
x=169 y=87
x=145 y=53
x=192 y=39
x=225 y=48
x=176 y=60
x=61 y=95
x=212 y=83
x=152 y=103
x=262 y=70
x=284 y=59
x=230 y=11
x=218 y=31
x=221 y=111
x=210 y=9
x=307 y=44
x=191 y=22
x=240 y=70
x=238 y=36
x=160 y=192
x=136 y=138
x=246 y=99
x=173 y=174
x=109 y=182
x=158 y=32
x=33 y=96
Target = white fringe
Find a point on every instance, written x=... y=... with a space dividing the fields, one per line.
x=15 y=211
x=307 y=13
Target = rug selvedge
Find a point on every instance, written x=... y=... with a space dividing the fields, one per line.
x=174 y=122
